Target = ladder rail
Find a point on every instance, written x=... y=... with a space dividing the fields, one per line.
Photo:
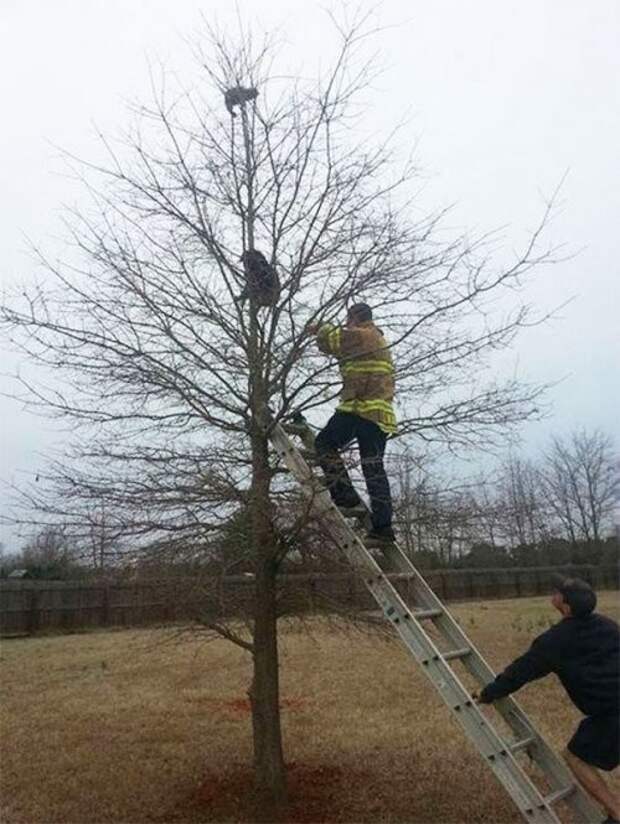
x=499 y=754
x=508 y=708
x=454 y=694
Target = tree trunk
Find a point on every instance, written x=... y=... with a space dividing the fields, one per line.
x=264 y=693
x=269 y=770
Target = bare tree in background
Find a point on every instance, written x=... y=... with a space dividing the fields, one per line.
x=411 y=491
x=524 y=512
x=431 y=511
x=50 y=553
x=581 y=483
x=100 y=540
x=485 y=517
x=168 y=377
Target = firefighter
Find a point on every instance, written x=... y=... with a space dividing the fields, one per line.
x=365 y=414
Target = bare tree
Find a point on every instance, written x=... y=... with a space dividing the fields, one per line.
x=441 y=515
x=100 y=544
x=411 y=491
x=485 y=520
x=525 y=514
x=8 y=561
x=171 y=377
x=581 y=483
x=49 y=552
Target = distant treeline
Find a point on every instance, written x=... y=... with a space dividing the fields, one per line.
x=554 y=511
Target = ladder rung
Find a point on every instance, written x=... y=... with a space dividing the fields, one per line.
x=558 y=795
x=427 y=613
x=456 y=653
x=521 y=745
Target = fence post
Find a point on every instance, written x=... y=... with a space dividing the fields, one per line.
x=34 y=616
x=105 y=606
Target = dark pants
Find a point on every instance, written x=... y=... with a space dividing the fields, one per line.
x=341 y=429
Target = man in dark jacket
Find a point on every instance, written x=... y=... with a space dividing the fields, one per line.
x=583 y=650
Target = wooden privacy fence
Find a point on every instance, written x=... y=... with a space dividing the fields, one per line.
x=27 y=607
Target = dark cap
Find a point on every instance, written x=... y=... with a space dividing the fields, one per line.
x=578 y=594
x=360 y=311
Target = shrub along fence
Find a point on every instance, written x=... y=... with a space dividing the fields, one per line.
x=28 y=607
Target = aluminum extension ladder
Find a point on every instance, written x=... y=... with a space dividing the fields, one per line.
x=536 y=804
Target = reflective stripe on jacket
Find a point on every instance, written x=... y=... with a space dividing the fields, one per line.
x=367 y=371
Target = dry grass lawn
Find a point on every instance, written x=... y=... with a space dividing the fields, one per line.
x=134 y=726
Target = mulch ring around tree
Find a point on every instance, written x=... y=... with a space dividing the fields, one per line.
x=317 y=793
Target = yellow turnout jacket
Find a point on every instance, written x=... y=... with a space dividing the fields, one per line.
x=367 y=371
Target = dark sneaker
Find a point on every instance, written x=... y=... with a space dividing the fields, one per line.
x=610 y=820
x=380 y=537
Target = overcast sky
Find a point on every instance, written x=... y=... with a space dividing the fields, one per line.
x=503 y=98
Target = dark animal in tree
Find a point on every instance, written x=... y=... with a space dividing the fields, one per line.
x=238 y=96
x=262 y=282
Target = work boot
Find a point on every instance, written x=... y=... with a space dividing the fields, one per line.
x=357 y=511
x=384 y=536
